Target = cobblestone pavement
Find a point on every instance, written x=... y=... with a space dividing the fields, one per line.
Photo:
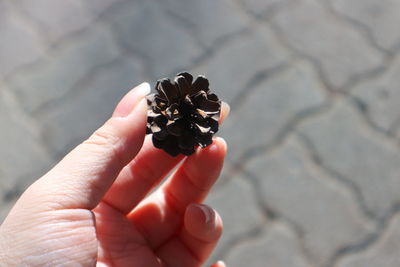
x=313 y=173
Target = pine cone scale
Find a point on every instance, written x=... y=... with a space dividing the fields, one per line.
x=187 y=76
x=168 y=89
x=175 y=128
x=200 y=84
x=182 y=84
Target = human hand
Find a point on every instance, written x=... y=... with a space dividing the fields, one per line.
x=91 y=210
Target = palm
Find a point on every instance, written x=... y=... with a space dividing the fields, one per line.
x=120 y=242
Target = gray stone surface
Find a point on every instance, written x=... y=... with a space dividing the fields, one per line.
x=145 y=29
x=340 y=50
x=238 y=221
x=312 y=175
x=99 y=7
x=397 y=130
x=19 y=44
x=56 y=74
x=234 y=68
x=263 y=7
x=271 y=107
x=23 y=157
x=290 y=184
x=89 y=108
x=380 y=16
x=381 y=97
x=57 y=19
x=207 y=20
x=366 y=158
x=275 y=246
x=384 y=253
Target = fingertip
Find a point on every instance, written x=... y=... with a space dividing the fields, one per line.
x=225 y=110
x=203 y=222
x=139 y=110
x=217 y=149
x=215 y=152
x=131 y=100
x=219 y=264
x=221 y=143
x=143 y=88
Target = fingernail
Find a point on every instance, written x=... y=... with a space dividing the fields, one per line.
x=143 y=88
x=219 y=264
x=209 y=214
x=226 y=107
x=131 y=100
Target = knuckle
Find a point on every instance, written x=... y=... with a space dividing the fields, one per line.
x=102 y=137
x=105 y=141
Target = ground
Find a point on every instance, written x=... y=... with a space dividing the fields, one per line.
x=313 y=171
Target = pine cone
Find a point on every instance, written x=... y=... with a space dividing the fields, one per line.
x=182 y=114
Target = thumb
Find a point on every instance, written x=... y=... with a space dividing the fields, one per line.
x=82 y=178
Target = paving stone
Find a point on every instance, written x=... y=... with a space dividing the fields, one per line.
x=341 y=51
x=228 y=173
x=276 y=246
x=381 y=96
x=22 y=156
x=98 y=7
x=3 y=188
x=380 y=16
x=19 y=44
x=208 y=20
x=325 y=212
x=384 y=253
x=262 y=7
x=144 y=28
x=63 y=68
x=264 y=114
x=57 y=18
x=76 y=117
x=73 y=89
x=397 y=129
x=347 y=145
x=232 y=68
x=238 y=221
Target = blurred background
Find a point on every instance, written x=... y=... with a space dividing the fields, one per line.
x=313 y=172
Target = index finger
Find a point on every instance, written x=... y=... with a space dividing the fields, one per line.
x=88 y=171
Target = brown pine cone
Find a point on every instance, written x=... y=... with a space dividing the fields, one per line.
x=182 y=114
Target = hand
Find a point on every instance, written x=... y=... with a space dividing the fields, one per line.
x=91 y=210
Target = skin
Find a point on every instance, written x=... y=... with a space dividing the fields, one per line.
x=94 y=208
